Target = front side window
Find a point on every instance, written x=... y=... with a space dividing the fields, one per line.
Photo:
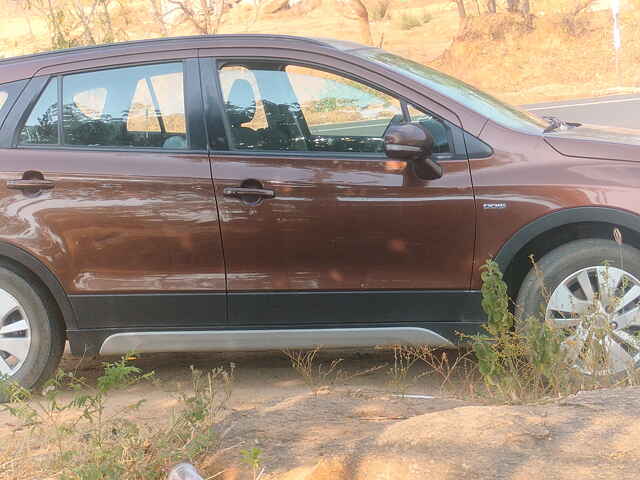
x=139 y=107
x=296 y=108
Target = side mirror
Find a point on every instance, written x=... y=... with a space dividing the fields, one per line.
x=413 y=143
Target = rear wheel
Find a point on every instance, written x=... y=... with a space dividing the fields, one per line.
x=31 y=333
x=592 y=292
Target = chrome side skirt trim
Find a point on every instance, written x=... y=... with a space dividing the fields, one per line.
x=247 y=340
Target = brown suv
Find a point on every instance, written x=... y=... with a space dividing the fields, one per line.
x=260 y=192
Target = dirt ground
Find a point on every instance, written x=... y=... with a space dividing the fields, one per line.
x=359 y=430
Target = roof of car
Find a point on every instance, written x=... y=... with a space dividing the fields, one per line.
x=26 y=66
x=194 y=41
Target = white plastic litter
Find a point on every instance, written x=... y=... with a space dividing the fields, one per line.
x=415 y=396
x=184 y=471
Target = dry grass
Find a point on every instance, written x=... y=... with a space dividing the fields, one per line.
x=556 y=59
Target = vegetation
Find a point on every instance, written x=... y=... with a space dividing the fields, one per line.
x=95 y=440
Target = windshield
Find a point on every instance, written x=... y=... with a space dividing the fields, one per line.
x=470 y=97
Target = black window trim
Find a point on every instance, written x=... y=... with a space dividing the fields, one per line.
x=13 y=91
x=196 y=132
x=216 y=120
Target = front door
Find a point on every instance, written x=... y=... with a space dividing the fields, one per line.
x=123 y=210
x=321 y=229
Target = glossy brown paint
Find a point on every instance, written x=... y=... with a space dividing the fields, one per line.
x=345 y=224
x=116 y=221
x=534 y=180
x=143 y=221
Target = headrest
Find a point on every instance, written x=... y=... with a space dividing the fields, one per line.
x=241 y=104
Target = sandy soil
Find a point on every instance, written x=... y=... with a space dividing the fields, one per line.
x=360 y=430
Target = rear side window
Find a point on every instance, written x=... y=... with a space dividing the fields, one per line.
x=132 y=107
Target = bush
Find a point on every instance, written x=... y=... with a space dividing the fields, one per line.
x=527 y=360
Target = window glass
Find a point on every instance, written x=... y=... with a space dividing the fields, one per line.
x=228 y=76
x=339 y=107
x=439 y=130
x=91 y=102
x=262 y=112
x=127 y=107
x=299 y=108
x=41 y=128
x=3 y=98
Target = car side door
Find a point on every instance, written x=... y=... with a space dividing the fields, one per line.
x=107 y=181
x=319 y=227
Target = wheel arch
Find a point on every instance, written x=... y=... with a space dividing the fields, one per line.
x=27 y=263
x=554 y=229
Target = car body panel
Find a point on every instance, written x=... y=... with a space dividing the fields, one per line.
x=594 y=141
x=532 y=180
x=107 y=204
x=345 y=224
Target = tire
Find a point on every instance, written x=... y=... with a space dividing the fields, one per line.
x=565 y=269
x=23 y=301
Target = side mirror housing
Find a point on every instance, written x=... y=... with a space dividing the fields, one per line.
x=413 y=143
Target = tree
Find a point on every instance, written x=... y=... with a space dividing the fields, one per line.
x=204 y=15
x=462 y=12
x=513 y=5
x=357 y=10
x=158 y=12
x=77 y=22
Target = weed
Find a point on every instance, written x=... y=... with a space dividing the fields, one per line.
x=95 y=441
x=516 y=364
x=252 y=458
x=403 y=359
x=458 y=376
x=315 y=376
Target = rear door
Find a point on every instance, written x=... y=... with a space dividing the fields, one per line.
x=319 y=227
x=108 y=181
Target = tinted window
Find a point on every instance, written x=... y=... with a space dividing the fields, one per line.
x=342 y=112
x=125 y=107
x=299 y=108
x=439 y=129
x=41 y=128
x=262 y=111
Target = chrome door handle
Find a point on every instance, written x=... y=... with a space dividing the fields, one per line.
x=30 y=184
x=241 y=191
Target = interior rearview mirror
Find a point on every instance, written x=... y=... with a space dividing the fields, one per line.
x=413 y=143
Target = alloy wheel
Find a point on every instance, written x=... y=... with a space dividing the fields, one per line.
x=15 y=334
x=598 y=308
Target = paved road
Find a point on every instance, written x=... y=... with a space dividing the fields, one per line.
x=617 y=110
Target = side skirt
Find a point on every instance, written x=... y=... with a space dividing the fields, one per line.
x=252 y=340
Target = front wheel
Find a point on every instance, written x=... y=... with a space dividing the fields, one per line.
x=591 y=290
